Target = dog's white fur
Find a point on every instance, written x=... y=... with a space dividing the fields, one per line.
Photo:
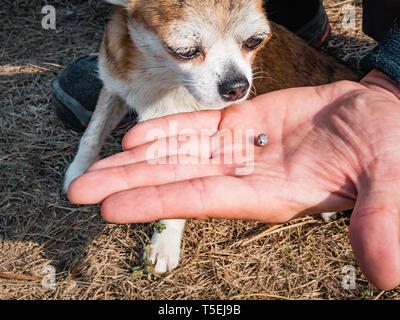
x=165 y=86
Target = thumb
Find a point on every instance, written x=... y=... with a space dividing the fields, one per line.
x=375 y=230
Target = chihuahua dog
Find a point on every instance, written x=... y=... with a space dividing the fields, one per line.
x=172 y=56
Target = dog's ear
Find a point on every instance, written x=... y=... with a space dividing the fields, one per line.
x=123 y=3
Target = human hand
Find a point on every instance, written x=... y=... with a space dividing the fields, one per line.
x=331 y=147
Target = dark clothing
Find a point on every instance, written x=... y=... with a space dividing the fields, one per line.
x=379 y=16
x=386 y=56
x=381 y=21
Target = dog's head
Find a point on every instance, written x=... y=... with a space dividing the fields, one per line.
x=208 y=44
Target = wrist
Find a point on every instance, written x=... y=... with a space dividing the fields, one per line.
x=377 y=80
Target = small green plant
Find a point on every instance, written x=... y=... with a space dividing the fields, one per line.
x=289 y=252
x=147 y=263
x=159 y=227
x=137 y=273
x=366 y=295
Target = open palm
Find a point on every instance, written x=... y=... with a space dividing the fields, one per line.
x=331 y=148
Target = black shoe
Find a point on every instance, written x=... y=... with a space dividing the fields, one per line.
x=307 y=19
x=75 y=94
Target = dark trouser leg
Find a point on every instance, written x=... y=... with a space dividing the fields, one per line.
x=379 y=16
x=306 y=18
x=292 y=14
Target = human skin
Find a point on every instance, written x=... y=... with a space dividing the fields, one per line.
x=331 y=148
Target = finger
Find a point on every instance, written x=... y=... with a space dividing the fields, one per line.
x=172 y=125
x=93 y=187
x=375 y=233
x=225 y=143
x=188 y=145
x=219 y=197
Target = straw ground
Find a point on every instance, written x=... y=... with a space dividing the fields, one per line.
x=94 y=260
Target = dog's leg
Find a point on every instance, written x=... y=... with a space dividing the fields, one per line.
x=165 y=246
x=109 y=111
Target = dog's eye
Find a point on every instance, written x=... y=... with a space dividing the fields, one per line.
x=253 y=43
x=186 y=53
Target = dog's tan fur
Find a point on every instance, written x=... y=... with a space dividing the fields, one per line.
x=130 y=82
x=287 y=60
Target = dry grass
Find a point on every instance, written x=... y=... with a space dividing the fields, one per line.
x=94 y=260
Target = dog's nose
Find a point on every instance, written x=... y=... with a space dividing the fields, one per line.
x=233 y=90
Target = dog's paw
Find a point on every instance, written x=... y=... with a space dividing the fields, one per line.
x=164 y=251
x=330 y=216
x=76 y=169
